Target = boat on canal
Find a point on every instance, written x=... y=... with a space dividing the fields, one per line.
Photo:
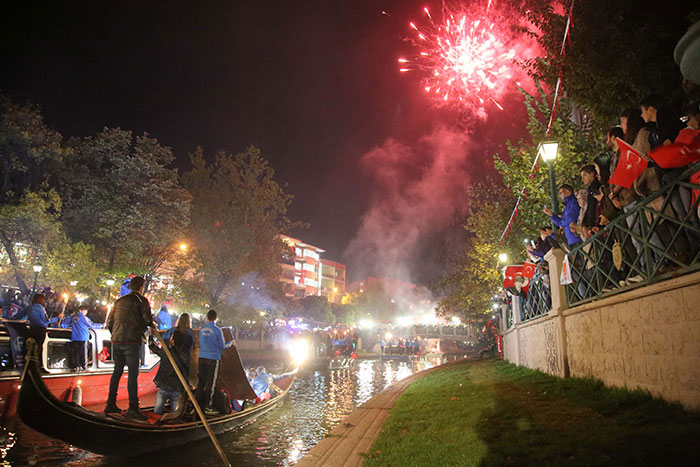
x=62 y=380
x=117 y=436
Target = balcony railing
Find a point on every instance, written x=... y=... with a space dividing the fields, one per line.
x=655 y=239
x=539 y=298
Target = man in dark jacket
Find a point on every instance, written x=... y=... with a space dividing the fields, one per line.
x=128 y=322
x=590 y=179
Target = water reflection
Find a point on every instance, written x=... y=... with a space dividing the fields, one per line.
x=317 y=403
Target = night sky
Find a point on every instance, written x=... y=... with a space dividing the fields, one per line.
x=314 y=84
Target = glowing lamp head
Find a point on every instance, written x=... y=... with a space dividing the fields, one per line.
x=73 y=283
x=65 y=296
x=183 y=247
x=456 y=320
x=548 y=150
x=37 y=268
x=389 y=336
x=299 y=349
x=495 y=306
x=109 y=282
x=335 y=289
x=503 y=257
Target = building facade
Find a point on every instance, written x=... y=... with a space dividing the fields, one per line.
x=304 y=273
x=332 y=280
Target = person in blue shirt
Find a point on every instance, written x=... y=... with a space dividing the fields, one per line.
x=211 y=344
x=39 y=321
x=163 y=318
x=125 y=290
x=261 y=383
x=80 y=326
x=568 y=216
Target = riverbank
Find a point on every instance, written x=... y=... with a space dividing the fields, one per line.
x=494 y=413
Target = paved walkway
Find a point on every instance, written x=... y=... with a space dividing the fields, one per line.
x=355 y=435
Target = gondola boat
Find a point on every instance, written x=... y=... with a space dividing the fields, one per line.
x=117 y=436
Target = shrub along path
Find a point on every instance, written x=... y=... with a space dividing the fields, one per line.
x=494 y=413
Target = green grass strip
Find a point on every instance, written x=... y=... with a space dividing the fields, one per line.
x=493 y=413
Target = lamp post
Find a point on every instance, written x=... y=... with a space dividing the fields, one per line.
x=37 y=270
x=548 y=151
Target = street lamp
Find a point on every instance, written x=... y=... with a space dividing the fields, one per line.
x=548 y=151
x=183 y=247
x=37 y=270
x=503 y=257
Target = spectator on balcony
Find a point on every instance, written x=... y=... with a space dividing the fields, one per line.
x=569 y=214
x=663 y=128
x=542 y=244
x=577 y=227
x=589 y=177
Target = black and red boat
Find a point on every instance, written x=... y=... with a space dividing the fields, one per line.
x=115 y=435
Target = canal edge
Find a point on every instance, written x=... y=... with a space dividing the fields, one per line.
x=347 y=443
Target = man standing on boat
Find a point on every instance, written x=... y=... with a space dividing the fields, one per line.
x=127 y=322
x=211 y=344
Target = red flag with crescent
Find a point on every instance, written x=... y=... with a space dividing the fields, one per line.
x=528 y=269
x=629 y=167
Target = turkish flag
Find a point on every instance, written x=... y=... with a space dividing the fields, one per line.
x=528 y=270
x=509 y=275
x=629 y=167
x=677 y=155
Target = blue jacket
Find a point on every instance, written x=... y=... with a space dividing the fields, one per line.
x=569 y=215
x=37 y=316
x=261 y=384
x=125 y=290
x=163 y=318
x=80 y=326
x=211 y=341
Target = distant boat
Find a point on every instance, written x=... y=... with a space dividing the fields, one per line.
x=117 y=436
x=341 y=363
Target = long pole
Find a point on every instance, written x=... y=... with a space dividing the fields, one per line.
x=36 y=276
x=186 y=385
x=553 y=190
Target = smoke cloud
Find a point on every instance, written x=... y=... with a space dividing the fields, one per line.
x=418 y=190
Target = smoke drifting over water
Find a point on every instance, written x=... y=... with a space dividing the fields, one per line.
x=417 y=192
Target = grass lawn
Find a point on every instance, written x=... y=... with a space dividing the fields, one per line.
x=492 y=413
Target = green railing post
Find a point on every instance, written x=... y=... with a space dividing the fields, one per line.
x=553 y=190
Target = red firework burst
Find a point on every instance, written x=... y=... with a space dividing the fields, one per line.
x=467 y=60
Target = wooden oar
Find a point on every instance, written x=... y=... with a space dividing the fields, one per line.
x=186 y=385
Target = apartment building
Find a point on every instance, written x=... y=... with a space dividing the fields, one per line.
x=305 y=273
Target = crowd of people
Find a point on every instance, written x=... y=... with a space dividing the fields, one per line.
x=600 y=200
x=399 y=346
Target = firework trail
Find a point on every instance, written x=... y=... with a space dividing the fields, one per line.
x=469 y=58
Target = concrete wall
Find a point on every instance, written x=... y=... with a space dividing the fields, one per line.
x=646 y=338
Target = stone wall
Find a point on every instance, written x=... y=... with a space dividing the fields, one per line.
x=646 y=338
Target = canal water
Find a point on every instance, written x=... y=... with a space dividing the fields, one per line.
x=318 y=401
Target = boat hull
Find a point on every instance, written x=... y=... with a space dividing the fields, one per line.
x=117 y=436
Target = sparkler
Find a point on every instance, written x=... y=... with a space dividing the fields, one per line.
x=467 y=60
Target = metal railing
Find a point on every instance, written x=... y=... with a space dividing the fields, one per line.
x=539 y=298
x=509 y=314
x=652 y=240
